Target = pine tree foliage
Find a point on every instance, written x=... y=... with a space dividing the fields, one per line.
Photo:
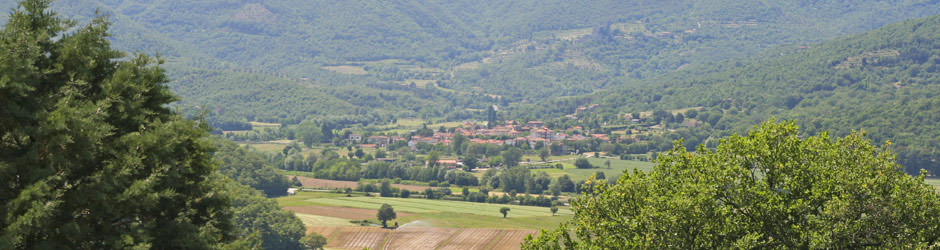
x=90 y=157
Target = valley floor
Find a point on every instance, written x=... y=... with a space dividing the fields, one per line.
x=349 y=222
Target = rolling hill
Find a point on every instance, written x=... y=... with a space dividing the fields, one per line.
x=884 y=82
x=373 y=61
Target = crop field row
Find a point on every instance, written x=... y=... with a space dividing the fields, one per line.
x=421 y=238
x=471 y=238
x=436 y=206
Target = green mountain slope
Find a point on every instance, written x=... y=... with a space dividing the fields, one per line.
x=884 y=81
x=286 y=61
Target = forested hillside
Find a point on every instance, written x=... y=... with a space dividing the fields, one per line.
x=273 y=61
x=376 y=61
x=884 y=82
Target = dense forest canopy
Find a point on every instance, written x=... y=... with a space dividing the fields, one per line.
x=92 y=157
x=883 y=82
x=373 y=61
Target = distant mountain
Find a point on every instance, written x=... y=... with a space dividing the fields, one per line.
x=886 y=82
x=286 y=61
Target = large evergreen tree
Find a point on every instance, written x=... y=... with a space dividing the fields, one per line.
x=90 y=157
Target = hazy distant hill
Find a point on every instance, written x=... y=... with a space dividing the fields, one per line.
x=285 y=61
x=886 y=82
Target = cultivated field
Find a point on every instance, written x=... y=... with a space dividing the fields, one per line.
x=617 y=167
x=437 y=206
x=424 y=224
x=511 y=240
x=331 y=184
x=337 y=212
x=474 y=238
x=421 y=238
x=311 y=219
x=347 y=69
x=353 y=237
x=935 y=182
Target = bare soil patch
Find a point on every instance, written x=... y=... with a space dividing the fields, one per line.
x=352 y=237
x=512 y=239
x=419 y=237
x=473 y=238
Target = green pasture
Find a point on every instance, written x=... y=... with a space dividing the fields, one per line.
x=317 y=220
x=424 y=206
x=617 y=167
x=935 y=182
x=438 y=213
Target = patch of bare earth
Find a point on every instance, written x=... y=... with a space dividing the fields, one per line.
x=418 y=237
x=512 y=239
x=472 y=238
x=352 y=237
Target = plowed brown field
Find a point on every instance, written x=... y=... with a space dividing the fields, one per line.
x=352 y=237
x=421 y=238
x=512 y=239
x=472 y=238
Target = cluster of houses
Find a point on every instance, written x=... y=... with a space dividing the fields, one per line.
x=511 y=133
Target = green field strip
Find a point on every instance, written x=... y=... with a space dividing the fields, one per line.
x=435 y=206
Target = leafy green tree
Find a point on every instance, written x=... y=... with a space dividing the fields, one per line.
x=359 y=153
x=544 y=154
x=385 y=190
x=583 y=163
x=771 y=189
x=432 y=158
x=259 y=219
x=90 y=155
x=326 y=131
x=555 y=148
x=469 y=163
x=309 y=133
x=599 y=175
x=386 y=213
x=379 y=153
x=250 y=168
x=554 y=210
x=458 y=143
x=512 y=157
x=404 y=193
x=313 y=241
x=504 y=211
